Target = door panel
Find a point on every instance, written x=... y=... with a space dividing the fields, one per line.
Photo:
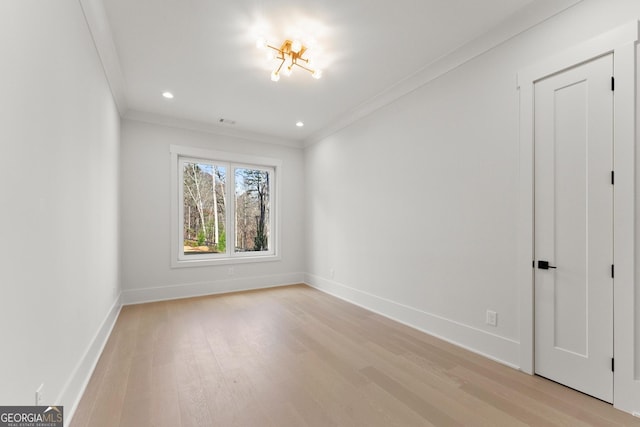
x=574 y=227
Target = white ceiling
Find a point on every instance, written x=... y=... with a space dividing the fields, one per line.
x=204 y=52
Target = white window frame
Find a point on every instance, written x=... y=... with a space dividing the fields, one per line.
x=231 y=161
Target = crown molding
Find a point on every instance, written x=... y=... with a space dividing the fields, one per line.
x=212 y=128
x=524 y=19
x=96 y=18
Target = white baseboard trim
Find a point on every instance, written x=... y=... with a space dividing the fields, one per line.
x=494 y=347
x=79 y=379
x=188 y=290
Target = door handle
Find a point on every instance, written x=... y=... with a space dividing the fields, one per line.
x=544 y=265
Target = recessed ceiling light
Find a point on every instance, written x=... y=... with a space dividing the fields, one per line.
x=167 y=95
x=299 y=124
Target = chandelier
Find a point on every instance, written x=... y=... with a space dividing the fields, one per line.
x=290 y=54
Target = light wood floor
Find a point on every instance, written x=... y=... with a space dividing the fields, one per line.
x=294 y=356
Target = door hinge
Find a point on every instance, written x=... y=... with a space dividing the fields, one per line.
x=613 y=271
x=613 y=365
x=613 y=83
x=613 y=178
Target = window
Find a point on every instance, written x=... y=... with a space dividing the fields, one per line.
x=223 y=207
x=252 y=201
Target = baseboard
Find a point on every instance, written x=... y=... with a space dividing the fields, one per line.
x=495 y=347
x=188 y=290
x=79 y=379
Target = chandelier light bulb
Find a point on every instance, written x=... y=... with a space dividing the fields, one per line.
x=296 y=46
x=287 y=71
x=317 y=74
x=275 y=76
x=261 y=43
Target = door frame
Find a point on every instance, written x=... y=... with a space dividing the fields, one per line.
x=620 y=41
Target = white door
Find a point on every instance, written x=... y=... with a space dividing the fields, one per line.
x=574 y=228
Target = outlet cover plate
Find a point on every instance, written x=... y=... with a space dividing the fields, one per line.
x=492 y=318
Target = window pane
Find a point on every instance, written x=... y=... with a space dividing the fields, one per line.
x=252 y=210
x=204 y=208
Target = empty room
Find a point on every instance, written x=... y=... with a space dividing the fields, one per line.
x=319 y=213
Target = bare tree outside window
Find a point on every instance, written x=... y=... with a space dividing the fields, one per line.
x=204 y=208
x=252 y=210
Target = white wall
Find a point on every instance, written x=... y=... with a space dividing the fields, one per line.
x=59 y=134
x=146 y=217
x=414 y=207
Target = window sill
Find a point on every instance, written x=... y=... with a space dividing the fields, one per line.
x=223 y=261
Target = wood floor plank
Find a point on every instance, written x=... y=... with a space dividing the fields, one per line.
x=293 y=356
x=435 y=385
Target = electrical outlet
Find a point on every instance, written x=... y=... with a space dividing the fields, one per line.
x=231 y=271
x=492 y=318
x=40 y=395
x=332 y=273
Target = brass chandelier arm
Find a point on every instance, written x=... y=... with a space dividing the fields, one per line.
x=304 y=68
x=280 y=66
